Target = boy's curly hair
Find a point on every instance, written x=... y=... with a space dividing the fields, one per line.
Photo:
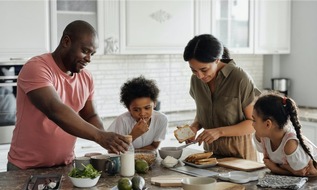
x=138 y=87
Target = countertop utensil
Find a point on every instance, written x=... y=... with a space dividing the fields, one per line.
x=186 y=145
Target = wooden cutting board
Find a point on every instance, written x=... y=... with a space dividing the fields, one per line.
x=240 y=164
x=168 y=181
x=175 y=181
x=229 y=186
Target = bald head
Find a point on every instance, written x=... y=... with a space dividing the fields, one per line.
x=78 y=43
x=78 y=28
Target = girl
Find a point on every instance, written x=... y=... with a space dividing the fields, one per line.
x=286 y=151
x=147 y=126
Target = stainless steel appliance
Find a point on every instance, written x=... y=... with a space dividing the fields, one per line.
x=8 y=81
x=281 y=85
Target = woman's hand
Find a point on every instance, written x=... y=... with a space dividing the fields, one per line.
x=208 y=136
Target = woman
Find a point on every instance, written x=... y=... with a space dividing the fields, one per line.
x=223 y=94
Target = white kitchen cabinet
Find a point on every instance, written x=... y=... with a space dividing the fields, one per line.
x=252 y=26
x=232 y=24
x=309 y=129
x=272 y=26
x=64 y=12
x=24 y=28
x=157 y=26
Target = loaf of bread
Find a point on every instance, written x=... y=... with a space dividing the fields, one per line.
x=198 y=156
x=183 y=133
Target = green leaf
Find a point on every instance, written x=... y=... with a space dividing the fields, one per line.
x=88 y=172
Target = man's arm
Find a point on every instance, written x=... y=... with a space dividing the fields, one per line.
x=47 y=101
x=89 y=114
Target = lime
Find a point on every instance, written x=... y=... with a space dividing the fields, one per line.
x=141 y=166
x=124 y=184
x=138 y=183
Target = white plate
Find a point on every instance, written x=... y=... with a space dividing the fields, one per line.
x=200 y=165
x=238 y=176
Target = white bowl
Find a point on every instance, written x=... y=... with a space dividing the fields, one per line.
x=170 y=151
x=238 y=177
x=84 y=182
x=199 y=183
x=169 y=162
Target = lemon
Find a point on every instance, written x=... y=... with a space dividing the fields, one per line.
x=141 y=166
x=124 y=184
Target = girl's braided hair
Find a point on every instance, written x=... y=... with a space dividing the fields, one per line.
x=276 y=107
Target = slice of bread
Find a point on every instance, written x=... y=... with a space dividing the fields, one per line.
x=206 y=161
x=198 y=156
x=183 y=133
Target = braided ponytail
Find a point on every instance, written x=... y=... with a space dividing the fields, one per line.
x=291 y=110
x=280 y=109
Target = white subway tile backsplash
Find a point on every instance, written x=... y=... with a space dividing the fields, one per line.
x=171 y=73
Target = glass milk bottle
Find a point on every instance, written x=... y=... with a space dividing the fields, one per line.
x=127 y=160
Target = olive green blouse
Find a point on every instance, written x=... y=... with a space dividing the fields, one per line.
x=234 y=90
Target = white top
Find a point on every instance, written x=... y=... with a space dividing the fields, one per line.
x=124 y=124
x=297 y=160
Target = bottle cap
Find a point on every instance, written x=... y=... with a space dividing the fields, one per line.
x=128 y=138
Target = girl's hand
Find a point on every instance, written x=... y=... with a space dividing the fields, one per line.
x=302 y=172
x=312 y=171
x=309 y=170
x=208 y=136
x=271 y=165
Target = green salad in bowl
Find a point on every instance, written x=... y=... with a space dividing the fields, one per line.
x=87 y=177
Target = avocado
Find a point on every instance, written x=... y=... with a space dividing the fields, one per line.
x=141 y=166
x=124 y=184
x=138 y=183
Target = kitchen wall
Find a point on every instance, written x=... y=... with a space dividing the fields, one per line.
x=170 y=71
x=300 y=65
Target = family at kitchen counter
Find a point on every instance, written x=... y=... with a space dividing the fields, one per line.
x=55 y=106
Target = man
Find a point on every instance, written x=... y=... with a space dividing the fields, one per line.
x=55 y=104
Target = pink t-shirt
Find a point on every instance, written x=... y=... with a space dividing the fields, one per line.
x=37 y=141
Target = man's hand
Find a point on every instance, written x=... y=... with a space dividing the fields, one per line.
x=113 y=142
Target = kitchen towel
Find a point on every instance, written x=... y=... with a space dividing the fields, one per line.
x=282 y=182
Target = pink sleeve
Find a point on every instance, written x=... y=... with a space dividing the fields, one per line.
x=34 y=74
x=92 y=90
